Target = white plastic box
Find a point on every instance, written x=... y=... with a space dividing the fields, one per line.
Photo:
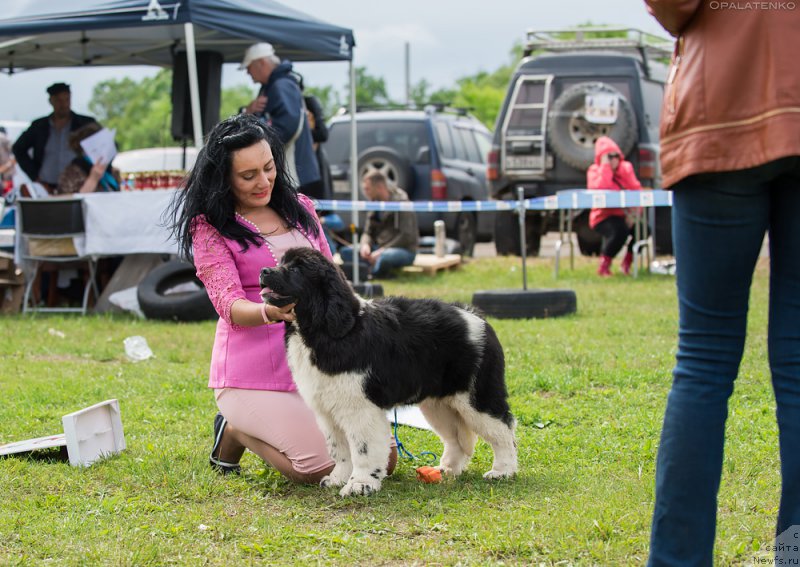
x=89 y=434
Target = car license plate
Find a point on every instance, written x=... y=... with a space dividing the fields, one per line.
x=524 y=162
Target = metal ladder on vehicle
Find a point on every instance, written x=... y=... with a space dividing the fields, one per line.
x=526 y=164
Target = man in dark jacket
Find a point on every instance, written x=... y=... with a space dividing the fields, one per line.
x=280 y=103
x=43 y=151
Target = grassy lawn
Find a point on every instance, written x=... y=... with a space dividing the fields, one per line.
x=588 y=391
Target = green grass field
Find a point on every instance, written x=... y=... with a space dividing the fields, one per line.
x=588 y=392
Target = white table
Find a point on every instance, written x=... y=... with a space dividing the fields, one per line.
x=128 y=222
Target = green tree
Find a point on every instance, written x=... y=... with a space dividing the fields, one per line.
x=370 y=90
x=139 y=111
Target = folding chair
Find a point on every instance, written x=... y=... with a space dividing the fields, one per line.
x=47 y=229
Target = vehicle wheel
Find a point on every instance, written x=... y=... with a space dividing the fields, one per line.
x=572 y=137
x=157 y=301
x=506 y=233
x=368 y=290
x=394 y=167
x=526 y=304
x=589 y=240
x=466 y=232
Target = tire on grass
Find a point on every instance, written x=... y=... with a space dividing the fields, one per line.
x=156 y=301
x=525 y=304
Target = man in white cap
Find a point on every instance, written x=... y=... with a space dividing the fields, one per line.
x=280 y=104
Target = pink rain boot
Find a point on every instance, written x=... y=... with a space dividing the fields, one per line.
x=626 y=264
x=605 y=266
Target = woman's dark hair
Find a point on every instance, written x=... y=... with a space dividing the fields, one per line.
x=207 y=187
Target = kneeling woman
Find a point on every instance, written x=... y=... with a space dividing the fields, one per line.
x=237 y=214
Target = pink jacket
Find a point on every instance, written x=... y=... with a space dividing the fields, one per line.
x=601 y=176
x=243 y=357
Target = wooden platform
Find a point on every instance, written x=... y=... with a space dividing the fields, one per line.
x=429 y=264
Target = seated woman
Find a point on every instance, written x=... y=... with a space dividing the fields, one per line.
x=81 y=175
x=611 y=171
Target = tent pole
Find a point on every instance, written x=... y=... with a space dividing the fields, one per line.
x=354 y=180
x=194 y=87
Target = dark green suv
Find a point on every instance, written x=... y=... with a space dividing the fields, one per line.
x=435 y=154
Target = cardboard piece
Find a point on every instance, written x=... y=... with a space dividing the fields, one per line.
x=89 y=434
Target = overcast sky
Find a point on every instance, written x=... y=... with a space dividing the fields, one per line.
x=448 y=39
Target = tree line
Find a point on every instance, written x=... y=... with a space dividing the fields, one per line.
x=141 y=111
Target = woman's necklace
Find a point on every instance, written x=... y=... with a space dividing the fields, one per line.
x=258 y=229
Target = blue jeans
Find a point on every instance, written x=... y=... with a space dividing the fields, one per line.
x=718 y=223
x=390 y=259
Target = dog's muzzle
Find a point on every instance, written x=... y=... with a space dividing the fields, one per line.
x=270 y=296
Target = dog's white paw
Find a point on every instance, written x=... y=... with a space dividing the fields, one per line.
x=360 y=488
x=449 y=471
x=336 y=478
x=493 y=474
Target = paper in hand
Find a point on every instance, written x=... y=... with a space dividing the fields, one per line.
x=100 y=146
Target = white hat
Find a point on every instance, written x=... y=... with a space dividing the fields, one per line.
x=256 y=51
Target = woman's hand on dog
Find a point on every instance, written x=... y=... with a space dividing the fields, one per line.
x=285 y=313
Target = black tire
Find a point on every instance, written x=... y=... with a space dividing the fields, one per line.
x=466 y=232
x=183 y=306
x=526 y=304
x=506 y=233
x=348 y=269
x=590 y=242
x=369 y=290
x=572 y=137
x=394 y=167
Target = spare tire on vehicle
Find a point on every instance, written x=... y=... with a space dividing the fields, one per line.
x=394 y=167
x=572 y=136
x=526 y=304
x=173 y=292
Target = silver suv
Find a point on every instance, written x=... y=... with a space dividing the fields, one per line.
x=570 y=88
x=433 y=154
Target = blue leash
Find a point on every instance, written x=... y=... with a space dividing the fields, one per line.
x=405 y=453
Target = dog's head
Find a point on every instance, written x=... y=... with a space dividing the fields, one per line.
x=323 y=296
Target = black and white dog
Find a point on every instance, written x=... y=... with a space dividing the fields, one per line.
x=353 y=359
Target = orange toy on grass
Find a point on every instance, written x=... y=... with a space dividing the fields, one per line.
x=429 y=475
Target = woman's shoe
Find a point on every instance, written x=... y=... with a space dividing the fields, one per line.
x=216 y=463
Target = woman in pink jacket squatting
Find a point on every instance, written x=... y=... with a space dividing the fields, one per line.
x=611 y=171
x=240 y=212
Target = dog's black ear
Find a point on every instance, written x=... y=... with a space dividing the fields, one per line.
x=343 y=306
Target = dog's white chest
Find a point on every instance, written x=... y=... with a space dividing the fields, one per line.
x=318 y=389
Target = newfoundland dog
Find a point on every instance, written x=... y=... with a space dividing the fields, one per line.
x=353 y=359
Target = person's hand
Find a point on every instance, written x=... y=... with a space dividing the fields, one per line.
x=98 y=169
x=257 y=105
x=285 y=313
x=365 y=251
x=604 y=159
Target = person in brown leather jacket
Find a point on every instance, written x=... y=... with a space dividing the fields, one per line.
x=730 y=151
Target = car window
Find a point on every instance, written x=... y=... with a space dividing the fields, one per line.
x=446 y=149
x=470 y=145
x=405 y=137
x=460 y=151
x=484 y=142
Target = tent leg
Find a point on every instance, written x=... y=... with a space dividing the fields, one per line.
x=194 y=86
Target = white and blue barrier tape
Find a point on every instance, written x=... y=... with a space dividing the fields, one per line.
x=571 y=199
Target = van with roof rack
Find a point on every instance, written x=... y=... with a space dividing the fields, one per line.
x=435 y=154
x=570 y=88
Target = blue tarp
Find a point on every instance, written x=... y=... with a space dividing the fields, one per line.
x=68 y=33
